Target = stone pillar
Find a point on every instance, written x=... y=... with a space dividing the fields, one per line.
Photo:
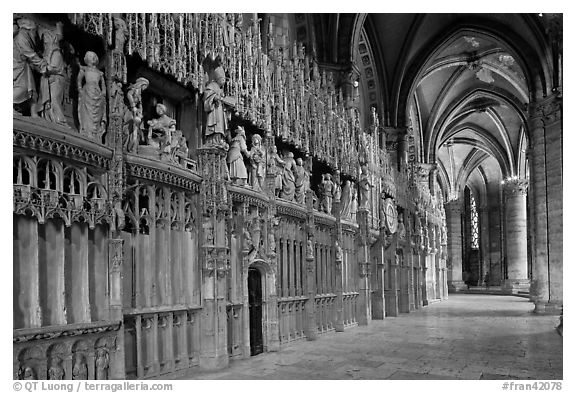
x=454 y=245
x=546 y=204
x=410 y=274
x=484 y=234
x=310 y=329
x=516 y=235
x=215 y=258
x=364 y=302
x=423 y=274
x=339 y=326
x=115 y=260
x=338 y=259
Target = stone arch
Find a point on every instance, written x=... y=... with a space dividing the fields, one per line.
x=538 y=78
x=436 y=134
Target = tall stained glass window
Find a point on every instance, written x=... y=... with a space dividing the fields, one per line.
x=473 y=223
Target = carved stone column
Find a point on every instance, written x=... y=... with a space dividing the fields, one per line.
x=215 y=258
x=546 y=204
x=339 y=302
x=516 y=235
x=484 y=234
x=364 y=302
x=310 y=330
x=454 y=245
x=272 y=301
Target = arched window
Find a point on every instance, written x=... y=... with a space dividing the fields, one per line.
x=473 y=223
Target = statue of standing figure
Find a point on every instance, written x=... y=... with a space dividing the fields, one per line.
x=337 y=193
x=92 y=98
x=214 y=102
x=52 y=83
x=102 y=364
x=56 y=372
x=275 y=168
x=346 y=200
x=364 y=186
x=257 y=163
x=354 y=204
x=80 y=369
x=300 y=181
x=288 y=179
x=235 y=159
x=25 y=61
x=133 y=118
x=327 y=192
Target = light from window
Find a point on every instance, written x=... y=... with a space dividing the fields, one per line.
x=473 y=223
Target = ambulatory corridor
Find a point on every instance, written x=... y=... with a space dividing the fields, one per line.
x=465 y=337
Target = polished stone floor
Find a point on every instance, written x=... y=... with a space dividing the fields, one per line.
x=465 y=337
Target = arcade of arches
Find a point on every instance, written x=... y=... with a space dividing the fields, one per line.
x=195 y=188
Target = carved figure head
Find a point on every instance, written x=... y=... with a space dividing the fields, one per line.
x=219 y=76
x=299 y=161
x=27 y=24
x=91 y=58
x=240 y=131
x=160 y=109
x=256 y=140
x=141 y=83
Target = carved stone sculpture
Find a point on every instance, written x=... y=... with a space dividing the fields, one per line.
x=275 y=168
x=346 y=200
x=56 y=372
x=309 y=249
x=80 y=369
x=160 y=129
x=288 y=179
x=91 y=98
x=102 y=364
x=401 y=228
x=337 y=194
x=364 y=187
x=118 y=58
x=214 y=101
x=271 y=244
x=133 y=118
x=300 y=179
x=354 y=204
x=327 y=193
x=248 y=244
x=27 y=373
x=25 y=61
x=235 y=159
x=339 y=254
x=52 y=83
x=257 y=163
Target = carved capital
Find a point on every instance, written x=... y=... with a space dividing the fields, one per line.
x=454 y=207
x=547 y=111
x=515 y=187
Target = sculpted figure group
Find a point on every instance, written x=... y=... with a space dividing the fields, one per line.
x=48 y=102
